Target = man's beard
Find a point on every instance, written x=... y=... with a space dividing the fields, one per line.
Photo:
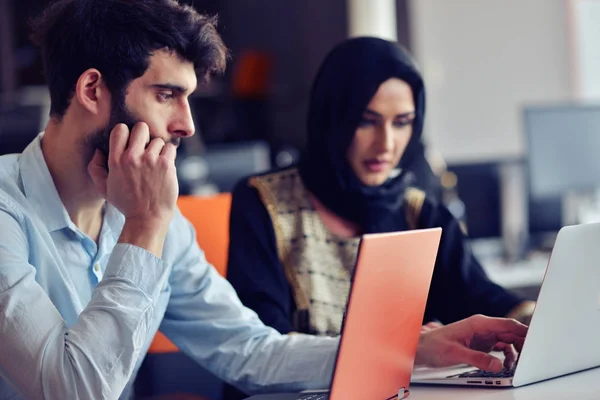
x=119 y=114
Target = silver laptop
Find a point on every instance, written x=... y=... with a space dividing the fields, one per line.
x=564 y=333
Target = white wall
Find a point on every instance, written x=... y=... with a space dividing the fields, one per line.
x=585 y=31
x=482 y=60
x=372 y=18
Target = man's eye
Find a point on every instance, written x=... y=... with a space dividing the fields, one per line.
x=164 y=96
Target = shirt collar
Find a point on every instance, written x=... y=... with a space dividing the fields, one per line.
x=42 y=194
x=39 y=187
x=113 y=220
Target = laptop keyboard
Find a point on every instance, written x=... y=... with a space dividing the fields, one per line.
x=478 y=373
x=316 y=396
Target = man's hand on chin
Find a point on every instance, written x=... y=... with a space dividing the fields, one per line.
x=141 y=182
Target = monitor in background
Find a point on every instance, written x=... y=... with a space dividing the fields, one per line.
x=217 y=168
x=545 y=215
x=479 y=186
x=563 y=147
x=228 y=163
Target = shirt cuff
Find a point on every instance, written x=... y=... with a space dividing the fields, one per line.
x=139 y=266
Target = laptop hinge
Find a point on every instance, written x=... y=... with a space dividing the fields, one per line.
x=403 y=393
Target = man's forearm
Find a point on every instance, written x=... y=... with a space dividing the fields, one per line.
x=286 y=363
x=45 y=358
x=149 y=235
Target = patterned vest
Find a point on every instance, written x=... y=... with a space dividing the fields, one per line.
x=318 y=264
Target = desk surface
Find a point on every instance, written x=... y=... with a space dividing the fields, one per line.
x=581 y=386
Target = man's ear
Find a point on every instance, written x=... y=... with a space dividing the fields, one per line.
x=91 y=92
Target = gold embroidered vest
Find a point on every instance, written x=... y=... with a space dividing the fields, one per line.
x=318 y=264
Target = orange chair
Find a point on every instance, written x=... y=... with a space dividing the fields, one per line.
x=210 y=217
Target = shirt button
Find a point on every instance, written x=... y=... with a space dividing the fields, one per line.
x=97 y=268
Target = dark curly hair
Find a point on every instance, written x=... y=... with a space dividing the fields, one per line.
x=117 y=37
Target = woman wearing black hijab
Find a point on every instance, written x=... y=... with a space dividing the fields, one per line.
x=294 y=233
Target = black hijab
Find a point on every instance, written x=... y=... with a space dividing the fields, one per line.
x=349 y=77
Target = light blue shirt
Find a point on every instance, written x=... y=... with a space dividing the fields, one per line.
x=77 y=318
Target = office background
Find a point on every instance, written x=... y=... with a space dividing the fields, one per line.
x=507 y=82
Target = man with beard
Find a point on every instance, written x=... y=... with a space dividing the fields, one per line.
x=94 y=255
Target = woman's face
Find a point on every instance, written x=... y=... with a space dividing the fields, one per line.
x=383 y=133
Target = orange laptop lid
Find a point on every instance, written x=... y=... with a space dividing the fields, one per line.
x=384 y=314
